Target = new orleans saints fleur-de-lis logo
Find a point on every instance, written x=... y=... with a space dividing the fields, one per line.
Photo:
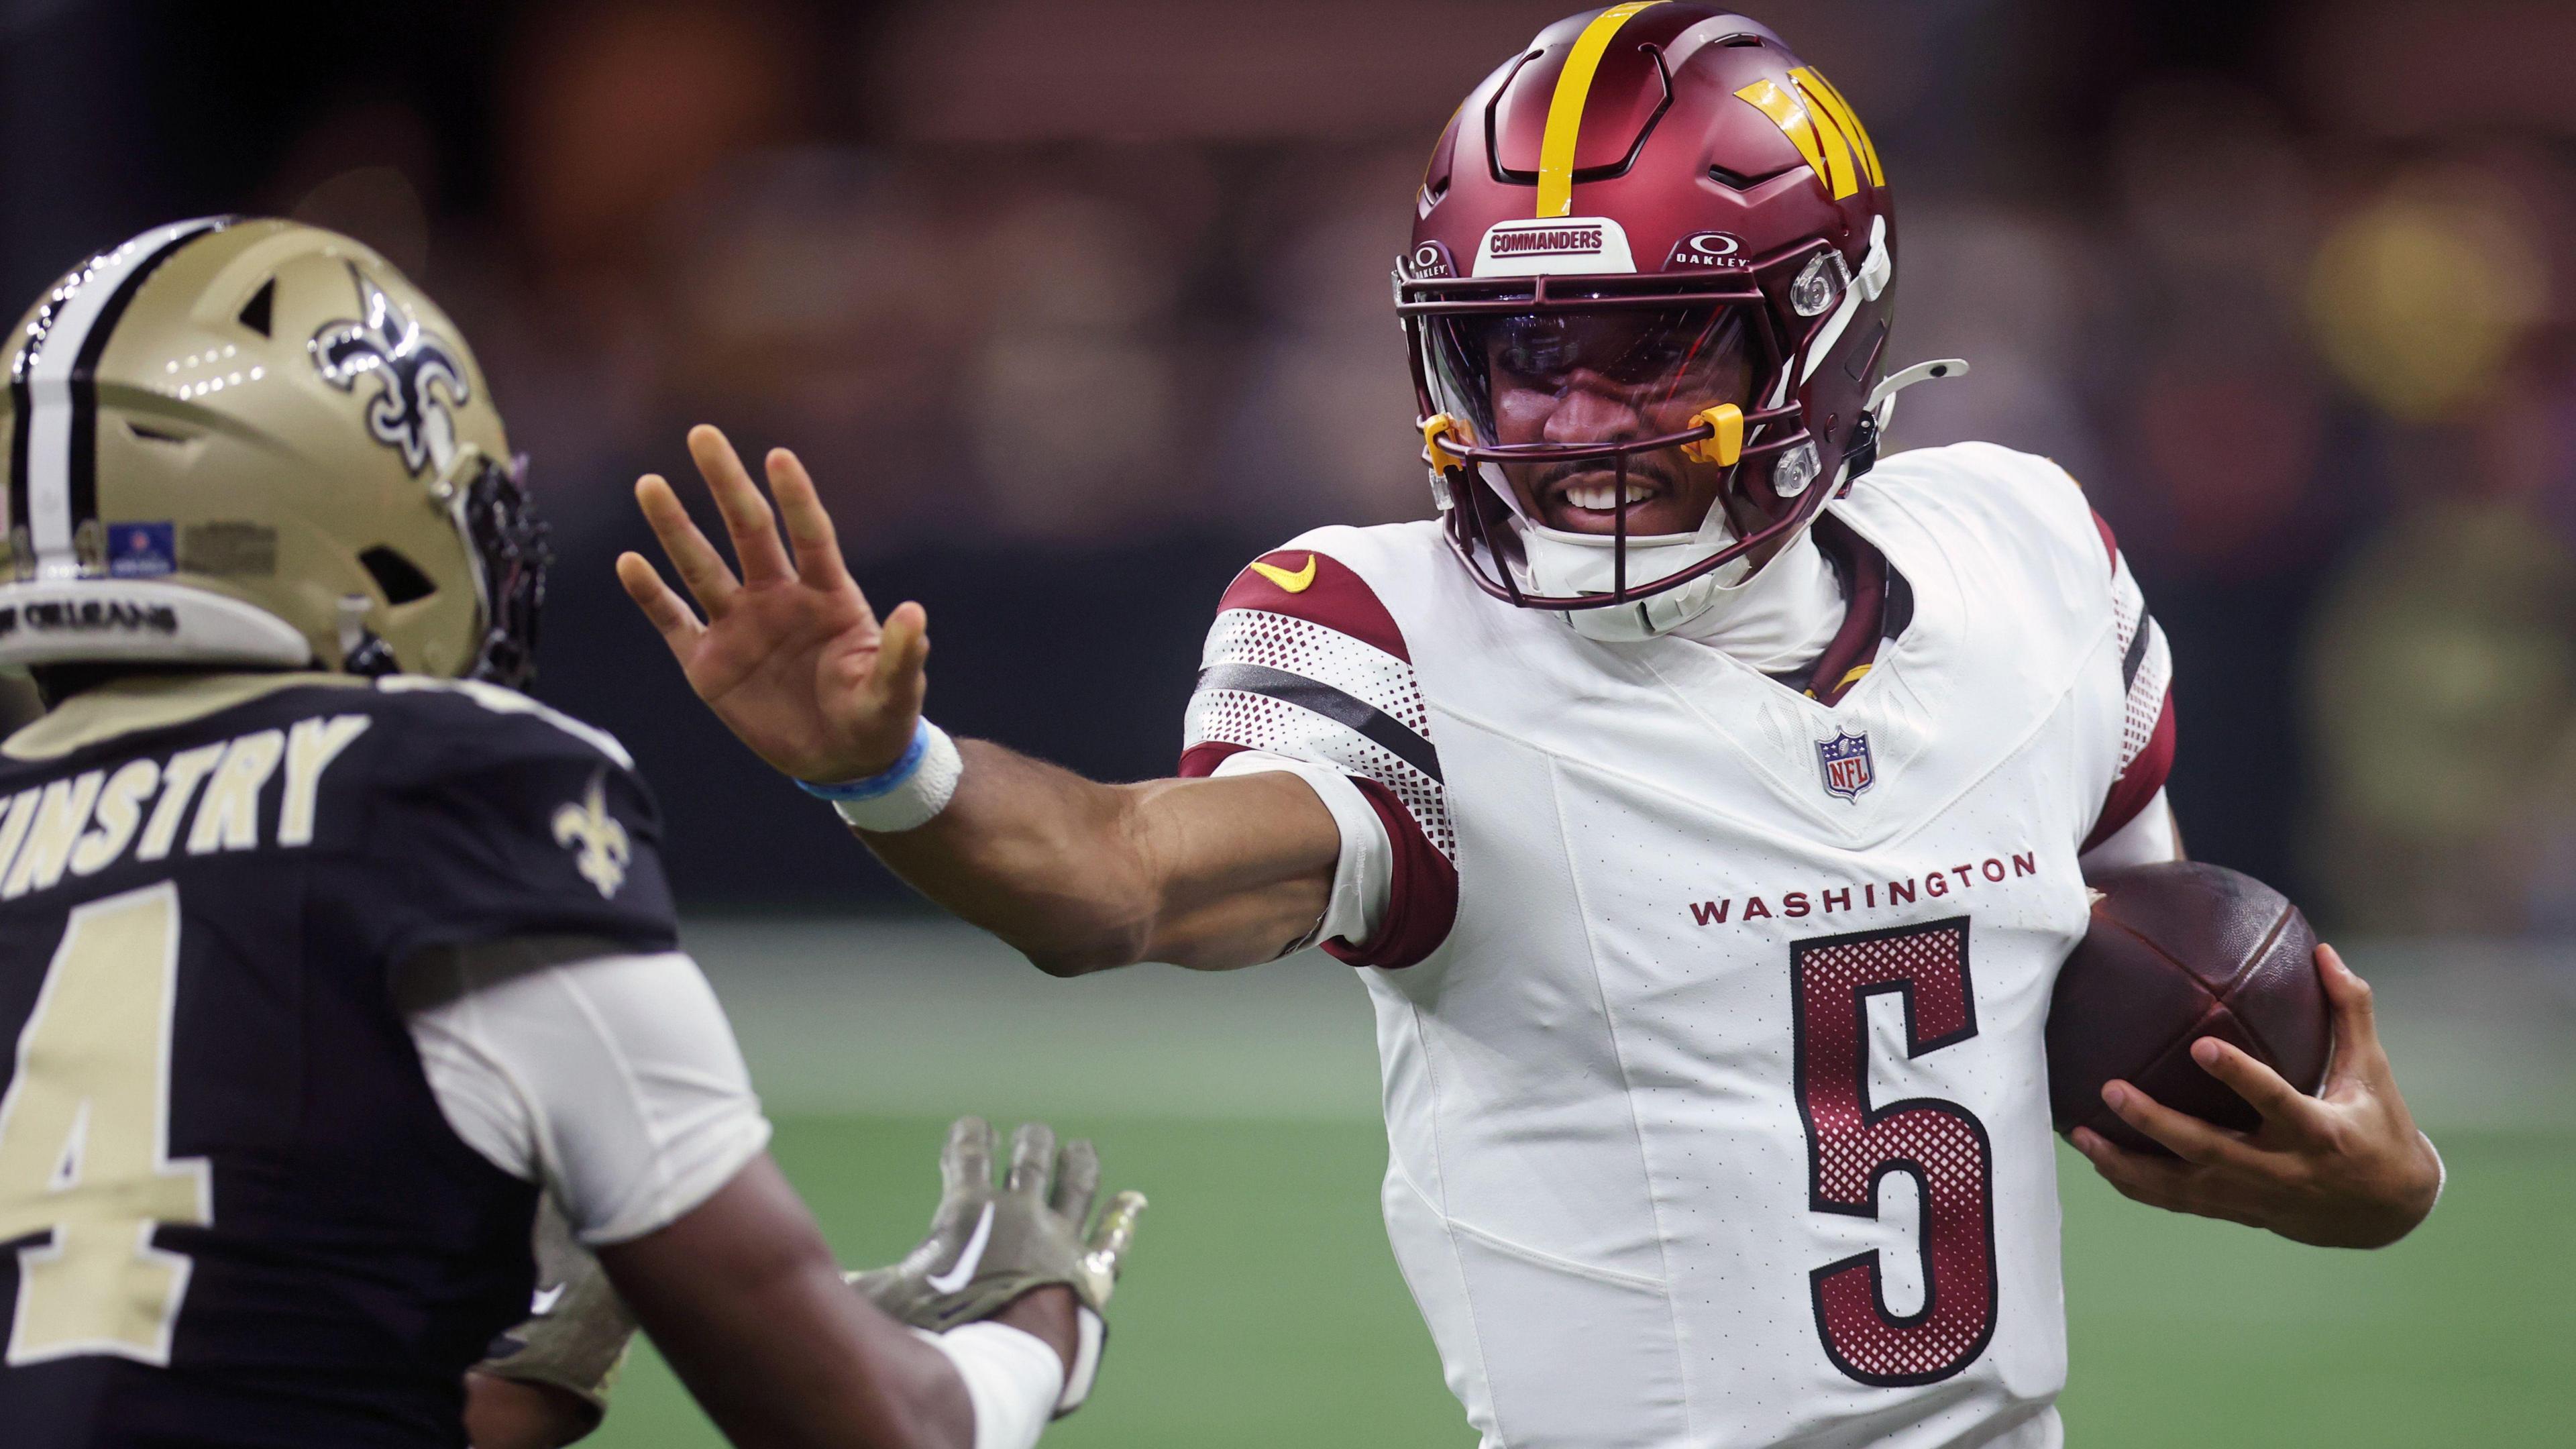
x=599 y=845
x=388 y=343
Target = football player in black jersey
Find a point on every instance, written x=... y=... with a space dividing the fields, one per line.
x=324 y=952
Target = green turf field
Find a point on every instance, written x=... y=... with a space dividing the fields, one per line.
x=1263 y=1308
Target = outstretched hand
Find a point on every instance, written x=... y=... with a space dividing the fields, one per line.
x=2345 y=1168
x=789 y=655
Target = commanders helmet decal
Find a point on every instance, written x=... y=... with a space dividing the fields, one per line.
x=391 y=344
x=53 y=454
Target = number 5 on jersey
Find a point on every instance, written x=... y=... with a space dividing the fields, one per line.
x=85 y=1141
x=1851 y=1149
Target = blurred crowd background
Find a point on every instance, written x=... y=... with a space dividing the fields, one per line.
x=1072 y=307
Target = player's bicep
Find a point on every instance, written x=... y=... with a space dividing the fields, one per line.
x=1246 y=864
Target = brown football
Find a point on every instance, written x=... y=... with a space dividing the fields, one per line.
x=2177 y=952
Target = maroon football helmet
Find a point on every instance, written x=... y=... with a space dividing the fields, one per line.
x=1658 y=207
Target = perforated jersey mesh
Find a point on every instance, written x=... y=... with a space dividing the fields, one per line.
x=2146 y=699
x=1334 y=659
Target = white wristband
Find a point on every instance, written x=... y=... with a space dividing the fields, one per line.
x=1089 y=1335
x=1013 y=1380
x=907 y=796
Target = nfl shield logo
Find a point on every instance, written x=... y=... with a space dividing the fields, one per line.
x=1846 y=763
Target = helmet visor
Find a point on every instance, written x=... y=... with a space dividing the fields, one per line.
x=1581 y=375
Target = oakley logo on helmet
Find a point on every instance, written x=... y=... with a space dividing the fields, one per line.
x=1707 y=249
x=408 y=359
x=1554 y=245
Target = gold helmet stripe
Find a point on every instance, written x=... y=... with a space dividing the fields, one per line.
x=1565 y=108
x=53 y=456
x=1813 y=82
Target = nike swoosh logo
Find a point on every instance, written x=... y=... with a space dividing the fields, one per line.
x=545 y=1301
x=1295 y=583
x=968 y=1261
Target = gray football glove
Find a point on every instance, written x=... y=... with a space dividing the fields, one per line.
x=987 y=1247
x=578 y=1333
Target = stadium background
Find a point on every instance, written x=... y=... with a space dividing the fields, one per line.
x=1073 y=307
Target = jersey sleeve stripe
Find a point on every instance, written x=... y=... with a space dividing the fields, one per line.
x=1422 y=892
x=2139 y=780
x=2137 y=654
x=1333 y=704
x=1200 y=760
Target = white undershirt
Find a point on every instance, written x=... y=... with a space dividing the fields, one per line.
x=611 y=1079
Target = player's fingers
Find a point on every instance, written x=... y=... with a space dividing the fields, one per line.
x=1117 y=1232
x=966 y=1163
x=2281 y=1104
x=1032 y=1159
x=1077 y=1181
x=746 y=513
x=809 y=527
x=700 y=567
x=2135 y=1175
x=899 y=679
x=2357 y=1051
x=2186 y=1136
x=666 y=611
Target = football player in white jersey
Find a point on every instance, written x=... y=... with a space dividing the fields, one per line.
x=1705 y=797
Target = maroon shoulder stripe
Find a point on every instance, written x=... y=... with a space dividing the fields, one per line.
x=1320 y=589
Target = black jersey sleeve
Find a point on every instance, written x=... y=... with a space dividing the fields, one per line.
x=513 y=821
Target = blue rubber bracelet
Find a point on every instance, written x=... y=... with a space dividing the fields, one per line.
x=884 y=782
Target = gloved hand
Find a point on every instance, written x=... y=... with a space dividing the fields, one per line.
x=577 y=1335
x=989 y=1247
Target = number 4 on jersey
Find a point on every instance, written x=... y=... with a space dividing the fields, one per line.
x=84 y=1141
x=1851 y=1148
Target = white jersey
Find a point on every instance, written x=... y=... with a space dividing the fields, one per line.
x=1711 y=1016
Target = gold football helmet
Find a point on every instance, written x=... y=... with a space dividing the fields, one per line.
x=255 y=443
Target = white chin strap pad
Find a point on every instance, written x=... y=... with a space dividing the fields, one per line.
x=116 y=621
x=1580 y=563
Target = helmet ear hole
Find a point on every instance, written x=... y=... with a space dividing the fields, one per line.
x=257 y=312
x=400 y=578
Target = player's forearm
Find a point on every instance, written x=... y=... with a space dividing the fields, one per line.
x=744 y=1299
x=1080 y=876
x=506 y=1414
x=1037 y=855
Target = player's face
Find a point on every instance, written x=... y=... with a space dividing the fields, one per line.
x=1606 y=377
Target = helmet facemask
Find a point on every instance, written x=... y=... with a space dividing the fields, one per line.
x=1538 y=391
x=508 y=548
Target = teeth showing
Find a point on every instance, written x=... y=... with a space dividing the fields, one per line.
x=1596 y=496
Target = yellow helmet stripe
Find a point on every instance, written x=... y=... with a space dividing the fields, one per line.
x=1839 y=111
x=1565 y=108
x=1790 y=114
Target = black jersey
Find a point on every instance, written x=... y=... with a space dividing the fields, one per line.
x=230 y=1210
